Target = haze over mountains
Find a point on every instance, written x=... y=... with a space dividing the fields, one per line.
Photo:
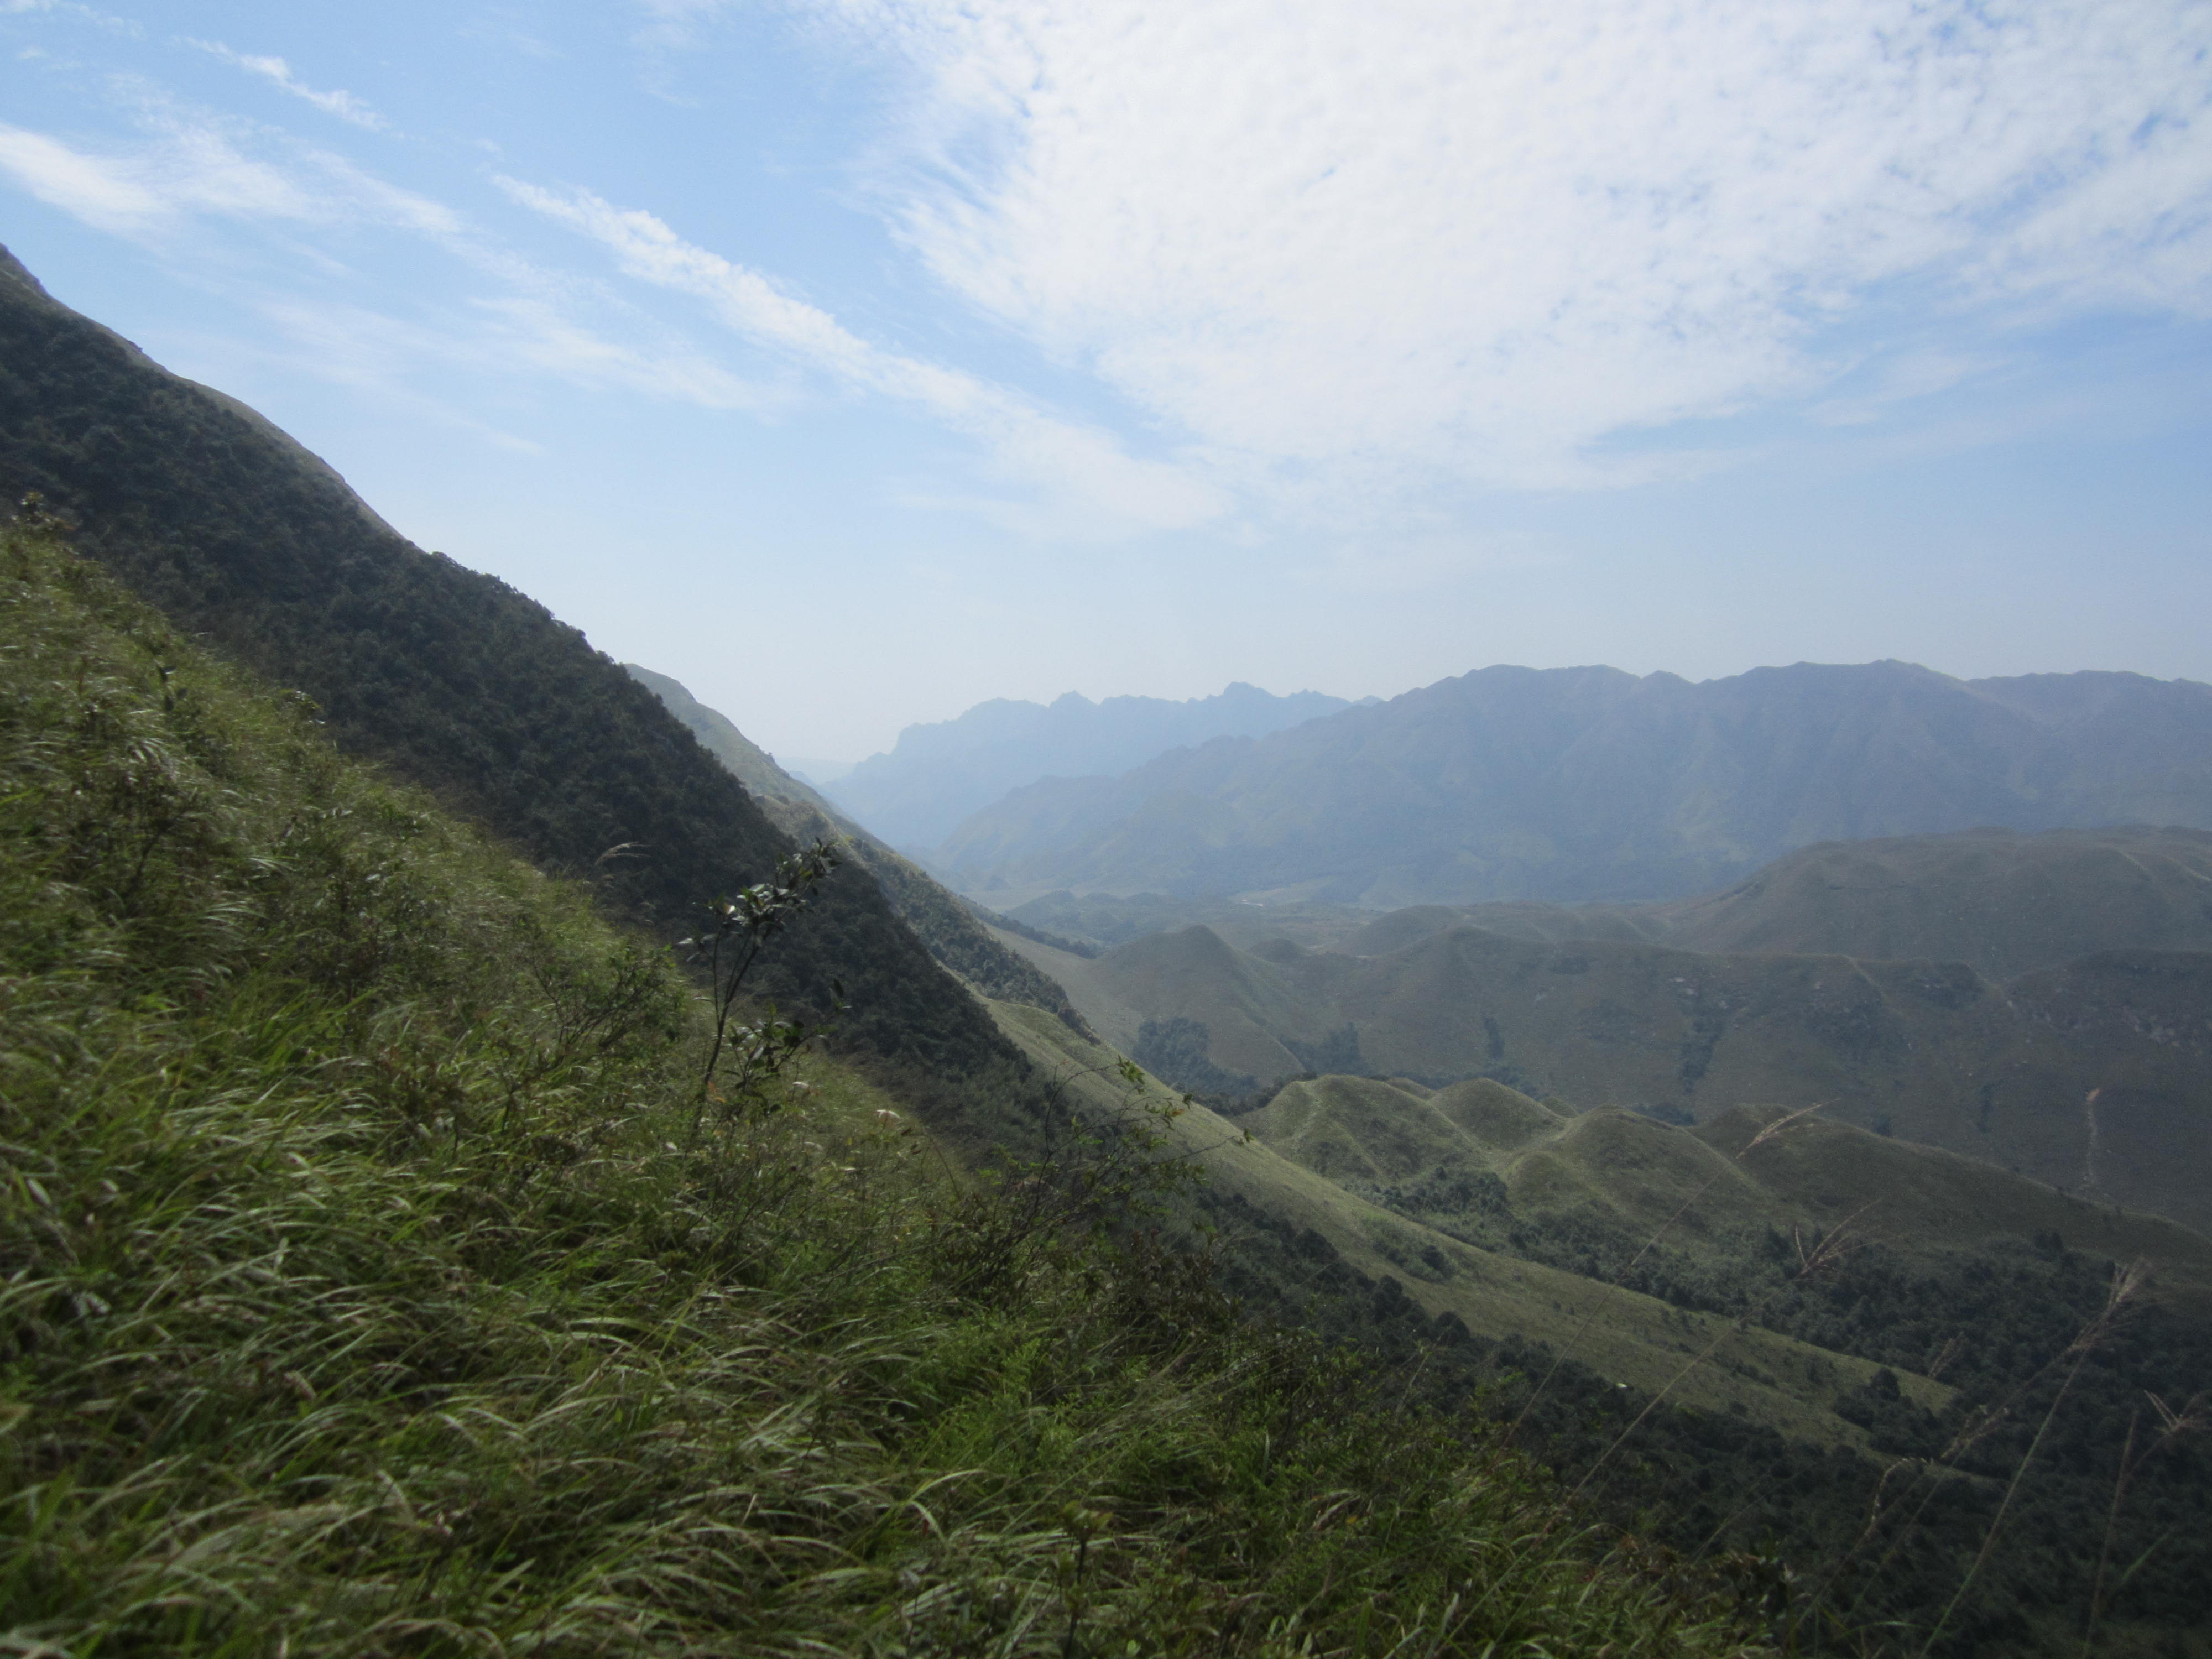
x=1591 y=784
x=937 y=775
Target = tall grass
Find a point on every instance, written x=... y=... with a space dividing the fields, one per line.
x=363 y=1292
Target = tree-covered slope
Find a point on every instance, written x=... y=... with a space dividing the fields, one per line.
x=450 y=678
x=1590 y=784
x=945 y=924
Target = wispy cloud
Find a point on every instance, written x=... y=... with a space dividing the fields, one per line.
x=95 y=188
x=84 y=14
x=1108 y=490
x=343 y=105
x=1348 y=233
x=675 y=23
x=185 y=168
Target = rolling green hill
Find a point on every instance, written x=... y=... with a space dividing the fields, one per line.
x=1375 y=1135
x=450 y=679
x=1731 y=1288
x=2091 y=1076
x=1590 y=784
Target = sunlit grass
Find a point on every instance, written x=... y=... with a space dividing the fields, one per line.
x=365 y=1291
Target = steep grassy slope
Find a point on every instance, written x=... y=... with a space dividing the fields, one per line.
x=1589 y=784
x=2002 y=902
x=2091 y=1076
x=942 y=922
x=378 y=1280
x=449 y=678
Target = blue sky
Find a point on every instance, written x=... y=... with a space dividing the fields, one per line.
x=855 y=361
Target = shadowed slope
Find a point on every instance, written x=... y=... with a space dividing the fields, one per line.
x=942 y=921
x=450 y=678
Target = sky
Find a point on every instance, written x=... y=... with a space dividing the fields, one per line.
x=857 y=361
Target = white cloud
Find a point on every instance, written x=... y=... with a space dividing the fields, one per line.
x=188 y=167
x=96 y=190
x=343 y=105
x=532 y=333
x=1101 y=488
x=189 y=164
x=1348 y=234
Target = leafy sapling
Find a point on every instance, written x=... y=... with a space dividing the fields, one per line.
x=739 y=929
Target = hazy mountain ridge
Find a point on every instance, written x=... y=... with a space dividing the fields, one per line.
x=937 y=775
x=1591 y=784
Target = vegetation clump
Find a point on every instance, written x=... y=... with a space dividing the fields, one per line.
x=363 y=1288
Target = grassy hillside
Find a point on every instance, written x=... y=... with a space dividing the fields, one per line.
x=379 y=1280
x=1590 y=784
x=1723 y=1176
x=450 y=679
x=942 y=922
x=2091 y=1076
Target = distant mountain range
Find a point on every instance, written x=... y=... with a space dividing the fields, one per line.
x=936 y=775
x=1591 y=784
